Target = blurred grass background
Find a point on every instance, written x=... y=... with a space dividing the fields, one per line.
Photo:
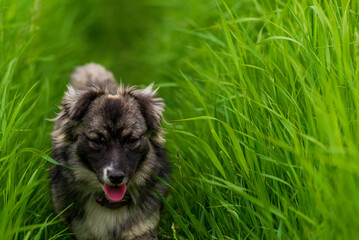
x=261 y=115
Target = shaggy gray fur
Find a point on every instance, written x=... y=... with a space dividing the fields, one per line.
x=105 y=125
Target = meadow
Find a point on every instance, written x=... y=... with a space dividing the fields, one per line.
x=261 y=110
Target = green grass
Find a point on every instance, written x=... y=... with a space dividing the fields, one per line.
x=262 y=109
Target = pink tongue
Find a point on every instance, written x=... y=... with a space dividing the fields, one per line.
x=115 y=193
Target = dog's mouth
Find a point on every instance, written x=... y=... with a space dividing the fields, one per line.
x=114 y=193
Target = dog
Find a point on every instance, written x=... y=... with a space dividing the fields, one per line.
x=112 y=165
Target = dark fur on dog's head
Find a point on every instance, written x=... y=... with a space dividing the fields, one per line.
x=109 y=128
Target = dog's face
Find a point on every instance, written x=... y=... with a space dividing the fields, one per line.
x=112 y=132
x=113 y=140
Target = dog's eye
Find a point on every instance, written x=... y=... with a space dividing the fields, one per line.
x=132 y=142
x=97 y=142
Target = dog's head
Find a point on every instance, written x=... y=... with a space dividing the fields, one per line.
x=111 y=133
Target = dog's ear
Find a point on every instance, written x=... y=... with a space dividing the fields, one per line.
x=151 y=106
x=76 y=102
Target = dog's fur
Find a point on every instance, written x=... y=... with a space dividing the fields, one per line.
x=101 y=126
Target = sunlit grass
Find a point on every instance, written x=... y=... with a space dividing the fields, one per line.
x=261 y=116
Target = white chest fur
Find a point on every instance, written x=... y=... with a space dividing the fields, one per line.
x=99 y=221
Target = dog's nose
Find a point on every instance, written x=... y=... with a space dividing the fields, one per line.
x=116 y=177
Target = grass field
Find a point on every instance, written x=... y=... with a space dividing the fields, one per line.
x=262 y=113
